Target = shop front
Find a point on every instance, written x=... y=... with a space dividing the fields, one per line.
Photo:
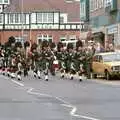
x=112 y=36
x=99 y=35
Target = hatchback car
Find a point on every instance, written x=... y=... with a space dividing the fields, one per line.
x=107 y=64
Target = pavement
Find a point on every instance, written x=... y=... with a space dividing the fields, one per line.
x=58 y=99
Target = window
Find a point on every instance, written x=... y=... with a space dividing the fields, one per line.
x=96 y=4
x=44 y=37
x=39 y=17
x=100 y=3
x=11 y=18
x=50 y=17
x=91 y=5
x=16 y=18
x=19 y=39
x=61 y=19
x=96 y=58
x=6 y=1
x=72 y=37
x=1 y=18
x=108 y=3
x=1 y=1
x=82 y=9
x=63 y=38
x=22 y=18
x=45 y=20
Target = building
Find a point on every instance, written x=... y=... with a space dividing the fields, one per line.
x=70 y=7
x=40 y=24
x=37 y=26
x=104 y=20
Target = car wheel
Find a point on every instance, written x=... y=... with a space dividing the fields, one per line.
x=107 y=75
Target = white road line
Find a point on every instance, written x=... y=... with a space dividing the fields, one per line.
x=69 y=106
x=36 y=93
x=18 y=83
x=73 y=111
x=66 y=104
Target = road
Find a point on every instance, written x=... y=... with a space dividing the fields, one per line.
x=57 y=99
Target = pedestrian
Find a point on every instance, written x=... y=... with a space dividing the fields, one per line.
x=80 y=60
x=89 y=55
x=62 y=59
x=71 y=60
x=47 y=56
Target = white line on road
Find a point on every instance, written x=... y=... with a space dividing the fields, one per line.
x=66 y=104
x=74 y=110
x=18 y=83
x=36 y=93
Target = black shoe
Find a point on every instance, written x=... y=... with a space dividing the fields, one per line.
x=53 y=74
x=35 y=76
x=80 y=80
x=39 y=77
x=3 y=73
x=71 y=78
x=46 y=80
x=62 y=76
x=19 y=79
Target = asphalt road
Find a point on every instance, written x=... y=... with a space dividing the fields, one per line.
x=57 y=99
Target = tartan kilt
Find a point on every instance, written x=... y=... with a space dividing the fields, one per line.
x=62 y=65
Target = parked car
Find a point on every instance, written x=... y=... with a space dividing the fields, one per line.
x=107 y=64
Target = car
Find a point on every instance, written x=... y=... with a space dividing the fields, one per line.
x=106 y=64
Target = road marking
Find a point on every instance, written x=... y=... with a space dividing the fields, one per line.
x=73 y=111
x=36 y=93
x=66 y=104
x=18 y=83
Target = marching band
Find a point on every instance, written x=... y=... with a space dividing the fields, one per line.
x=16 y=59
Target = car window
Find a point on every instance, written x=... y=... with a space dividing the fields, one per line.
x=111 y=57
x=96 y=58
x=100 y=59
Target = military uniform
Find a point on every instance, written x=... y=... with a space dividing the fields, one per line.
x=89 y=55
x=38 y=63
x=53 y=52
x=80 y=60
x=62 y=57
x=71 y=68
x=47 y=56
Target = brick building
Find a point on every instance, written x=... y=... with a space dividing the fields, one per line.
x=104 y=19
x=41 y=20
